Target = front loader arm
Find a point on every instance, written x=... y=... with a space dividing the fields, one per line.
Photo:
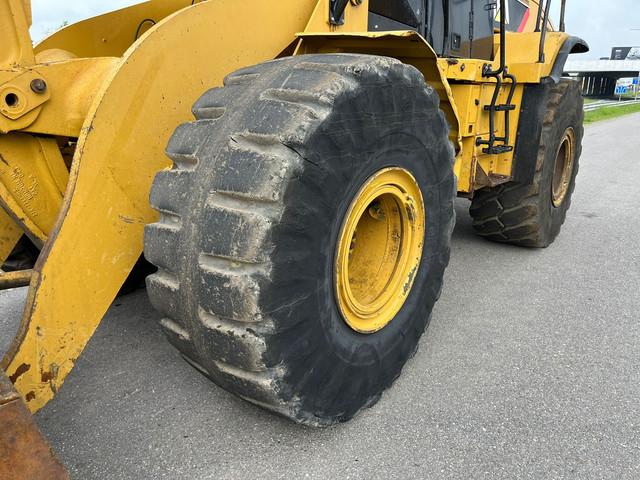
x=98 y=234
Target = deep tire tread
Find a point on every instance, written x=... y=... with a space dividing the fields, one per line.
x=241 y=212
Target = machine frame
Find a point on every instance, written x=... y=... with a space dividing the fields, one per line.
x=85 y=116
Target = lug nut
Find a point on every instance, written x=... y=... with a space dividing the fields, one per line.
x=39 y=86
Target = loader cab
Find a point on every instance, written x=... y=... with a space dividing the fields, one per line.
x=454 y=28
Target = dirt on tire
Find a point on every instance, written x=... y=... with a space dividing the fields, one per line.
x=250 y=216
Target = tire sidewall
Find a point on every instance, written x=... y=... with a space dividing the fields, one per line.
x=568 y=114
x=346 y=359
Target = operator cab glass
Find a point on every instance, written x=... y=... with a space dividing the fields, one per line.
x=454 y=28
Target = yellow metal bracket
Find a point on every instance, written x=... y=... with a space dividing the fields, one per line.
x=74 y=84
x=68 y=87
x=22 y=95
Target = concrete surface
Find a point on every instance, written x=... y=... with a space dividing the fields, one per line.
x=530 y=369
x=11 y=303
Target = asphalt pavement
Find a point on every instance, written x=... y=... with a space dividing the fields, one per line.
x=530 y=369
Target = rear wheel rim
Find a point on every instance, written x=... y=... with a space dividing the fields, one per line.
x=379 y=249
x=563 y=168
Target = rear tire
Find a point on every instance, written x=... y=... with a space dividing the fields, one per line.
x=532 y=215
x=250 y=217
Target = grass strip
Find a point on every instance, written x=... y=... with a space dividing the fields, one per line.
x=606 y=113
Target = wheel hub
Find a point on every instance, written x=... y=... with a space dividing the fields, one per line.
x=379 y=249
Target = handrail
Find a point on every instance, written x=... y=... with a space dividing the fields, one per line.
x=539 y=17
x=503 y=45
x=563 y=8
x=543 y=34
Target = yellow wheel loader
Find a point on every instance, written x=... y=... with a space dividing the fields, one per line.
x=290 y=169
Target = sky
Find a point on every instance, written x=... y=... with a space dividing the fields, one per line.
x=603 y=24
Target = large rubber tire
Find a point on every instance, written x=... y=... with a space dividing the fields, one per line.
x=525 y=214
x=250 y=217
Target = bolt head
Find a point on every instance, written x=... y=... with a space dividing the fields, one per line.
x=38 y=86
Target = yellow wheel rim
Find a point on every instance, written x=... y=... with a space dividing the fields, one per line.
x=563 y=168
x=379 y=250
